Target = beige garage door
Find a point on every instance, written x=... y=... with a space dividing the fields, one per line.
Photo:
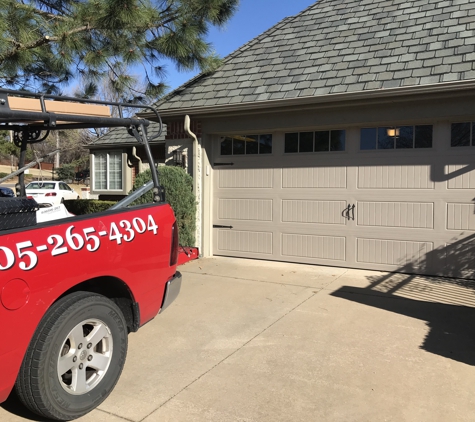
x=376 y=211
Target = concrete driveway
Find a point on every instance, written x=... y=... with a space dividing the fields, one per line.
x=262 y=341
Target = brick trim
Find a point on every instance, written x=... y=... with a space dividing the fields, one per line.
x=175 y=130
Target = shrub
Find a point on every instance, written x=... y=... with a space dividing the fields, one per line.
x=178 y=185
x=2 y=175
x=66 y=172
x=87 y=206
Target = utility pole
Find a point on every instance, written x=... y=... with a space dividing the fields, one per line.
x=56 y=158
x=11 y=155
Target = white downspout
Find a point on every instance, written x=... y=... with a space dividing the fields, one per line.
x=139 y=160
x=196 y=178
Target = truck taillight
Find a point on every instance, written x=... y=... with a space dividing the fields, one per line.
x=174 y=250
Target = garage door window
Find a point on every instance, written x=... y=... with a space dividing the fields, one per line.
x=462 y=134
x=396 y=137
x=319 y=141
x=246 y=144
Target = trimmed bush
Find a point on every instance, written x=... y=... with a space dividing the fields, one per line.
x=87 y=206
x=178 y=185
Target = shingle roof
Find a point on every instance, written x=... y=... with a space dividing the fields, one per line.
x=119 y=136
x=343 y=46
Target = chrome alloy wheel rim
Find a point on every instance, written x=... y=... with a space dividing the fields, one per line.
x=85 y=356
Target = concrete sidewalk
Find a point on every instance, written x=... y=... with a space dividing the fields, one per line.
x=263 y=341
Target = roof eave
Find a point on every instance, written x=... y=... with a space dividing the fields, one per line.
x=121 y=145
x=388 y=94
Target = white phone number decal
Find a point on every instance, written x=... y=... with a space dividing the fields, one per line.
x=74 y=241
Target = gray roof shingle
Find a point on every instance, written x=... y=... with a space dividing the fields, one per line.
x=119 y=136
x=339 y=46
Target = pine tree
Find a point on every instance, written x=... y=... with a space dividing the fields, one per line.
x=46 y=43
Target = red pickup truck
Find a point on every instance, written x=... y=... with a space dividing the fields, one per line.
x=72 y=289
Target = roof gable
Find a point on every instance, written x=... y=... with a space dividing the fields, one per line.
x=343 y=46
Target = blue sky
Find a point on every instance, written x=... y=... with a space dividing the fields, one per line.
x=252 y=18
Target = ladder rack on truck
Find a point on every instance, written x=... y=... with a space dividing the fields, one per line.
x=32 y=116
x=72 y=289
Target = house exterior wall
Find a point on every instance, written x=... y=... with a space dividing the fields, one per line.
x=363 y=113
x=193 y=164
x=134 y=156
x=207 y=199
x=179 y=139
x=185 y=146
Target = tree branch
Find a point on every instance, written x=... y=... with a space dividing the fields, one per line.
x=40 y=42
x=40 y=12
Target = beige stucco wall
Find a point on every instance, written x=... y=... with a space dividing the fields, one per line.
x=185 y=146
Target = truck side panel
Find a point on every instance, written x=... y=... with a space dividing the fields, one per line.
x=38 y=265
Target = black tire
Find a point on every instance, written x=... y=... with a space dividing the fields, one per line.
x=39 y=385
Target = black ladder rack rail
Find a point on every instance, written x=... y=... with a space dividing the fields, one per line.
x=29 y=125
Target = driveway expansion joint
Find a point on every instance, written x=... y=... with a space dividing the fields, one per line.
x=232 y=354
x=114 y=414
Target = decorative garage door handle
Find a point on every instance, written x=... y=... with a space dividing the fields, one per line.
x=217 y=226
x=346 y=212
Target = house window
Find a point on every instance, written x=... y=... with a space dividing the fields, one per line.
x=246 y=145
x=107 y=170
x=322 y=140
x=462 y=134
x=396 y=137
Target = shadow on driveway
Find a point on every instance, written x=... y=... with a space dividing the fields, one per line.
x=15 y=407
x=451 y=324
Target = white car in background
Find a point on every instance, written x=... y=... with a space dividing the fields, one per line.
x=50 y=192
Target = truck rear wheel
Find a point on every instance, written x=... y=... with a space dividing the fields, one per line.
x=75 y=357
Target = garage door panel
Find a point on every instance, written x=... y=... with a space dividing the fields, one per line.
x=256 y=242
x=245 y=209
x=395 y=214
x=395 y=177
x=246 y=178
x=313 y=229
x=314 y=177
x=313 y=211
x=408 y=254
x=313 y=246
x=460 y=259
x=461 y=216
x=247 y=194
x=460 y=177
x=314 y=195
